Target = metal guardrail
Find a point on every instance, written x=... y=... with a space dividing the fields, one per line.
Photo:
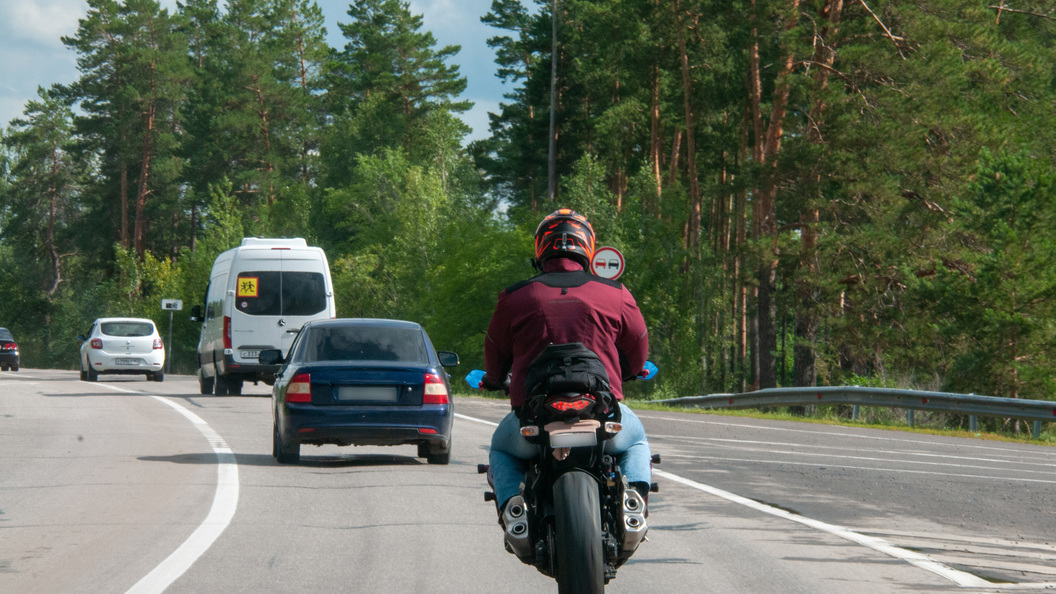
x=969 y=404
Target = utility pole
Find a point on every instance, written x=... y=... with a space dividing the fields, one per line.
x=552 y=160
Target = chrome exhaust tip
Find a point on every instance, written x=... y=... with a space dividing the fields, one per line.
x=515 y=517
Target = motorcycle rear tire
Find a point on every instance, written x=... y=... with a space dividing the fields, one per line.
x=577 y=535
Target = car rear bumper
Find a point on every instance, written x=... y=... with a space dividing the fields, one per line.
x=9 y=358
x=144 y=363
x=372 y=425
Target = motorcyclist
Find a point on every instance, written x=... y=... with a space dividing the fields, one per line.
x=564 y=304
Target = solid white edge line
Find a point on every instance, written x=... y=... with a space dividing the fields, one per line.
x=961 y=578
x=220 y=514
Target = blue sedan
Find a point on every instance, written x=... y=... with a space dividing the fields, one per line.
x=362 y=382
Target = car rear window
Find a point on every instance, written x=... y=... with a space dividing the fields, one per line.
x=366 y=343
x=127 y=329
x=5 y=334
x=275 y=293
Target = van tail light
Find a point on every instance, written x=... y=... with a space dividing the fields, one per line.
x=97 y=343
x=227 y=332
x=158 y=344
x=300 y=388
x=435 y=390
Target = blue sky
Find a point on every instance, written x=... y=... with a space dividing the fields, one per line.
x=32 y=54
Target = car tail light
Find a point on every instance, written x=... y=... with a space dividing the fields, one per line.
x=435 y=390
x=227 y=332
x=97 y=343
x=158 y=344
x=563 y=405
x=10 y=346
x=300 y=388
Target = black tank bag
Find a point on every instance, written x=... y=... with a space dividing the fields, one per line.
x=569 y=369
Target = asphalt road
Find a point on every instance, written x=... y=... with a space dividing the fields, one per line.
x=128 y=485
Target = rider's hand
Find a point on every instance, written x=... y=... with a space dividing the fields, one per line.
x=487 y=384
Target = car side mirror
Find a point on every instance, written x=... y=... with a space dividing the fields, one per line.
x=270 y=357
x=447 y=358
x=82 y=337
x=196 y=313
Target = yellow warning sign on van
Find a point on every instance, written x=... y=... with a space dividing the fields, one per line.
x=247 y=286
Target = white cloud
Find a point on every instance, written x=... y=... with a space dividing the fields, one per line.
x=41 y=21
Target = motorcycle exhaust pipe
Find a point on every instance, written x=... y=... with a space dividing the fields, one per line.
x=515 y=518
x=634 y=524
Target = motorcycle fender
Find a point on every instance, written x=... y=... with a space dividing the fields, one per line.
x=581 y=433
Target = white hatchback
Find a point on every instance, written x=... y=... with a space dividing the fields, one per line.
x=122 y=346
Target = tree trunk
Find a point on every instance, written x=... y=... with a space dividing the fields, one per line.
x=693 y=231
x=139 y=237
x=804 y=371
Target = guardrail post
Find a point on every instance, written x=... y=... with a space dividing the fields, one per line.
x=1037 y=429
x=909 y=417
x=854 y=413
x=973 y=423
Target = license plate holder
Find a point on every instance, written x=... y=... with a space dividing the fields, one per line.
x=126 y=361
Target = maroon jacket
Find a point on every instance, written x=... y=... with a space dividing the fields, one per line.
x=564 y=304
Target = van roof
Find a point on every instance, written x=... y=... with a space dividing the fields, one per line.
x=274 y=242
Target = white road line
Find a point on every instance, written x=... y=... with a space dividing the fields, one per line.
x=961 y=578
x=220 y=514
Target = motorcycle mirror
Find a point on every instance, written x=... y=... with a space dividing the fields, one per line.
x=649 y=371
x=473 y=378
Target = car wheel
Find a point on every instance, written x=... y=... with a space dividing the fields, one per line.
x=205 y=384
x=84 y=375
x=440 y=455
x=92 y=375
x=158 y=376
x=15 y=368
x=284 y=451
x=4 y=368
x=423 y=450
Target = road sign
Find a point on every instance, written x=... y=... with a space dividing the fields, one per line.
x=172 y=304
x=607 y=263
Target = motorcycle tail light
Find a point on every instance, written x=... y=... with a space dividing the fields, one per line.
x=300 y=388
x=579 y=403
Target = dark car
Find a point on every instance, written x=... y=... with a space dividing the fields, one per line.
x=362 y=382
x=8 y=351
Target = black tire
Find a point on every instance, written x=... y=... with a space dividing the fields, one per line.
x=577 y=535
x=92 y=375
x=158 y=376
x=439 y=454
x=220 y=388
x=205 y=384
x=84 y=375
x=284 y=451
x=15 y=368
x=4 y=367
x=234 y=387
x=423 y=450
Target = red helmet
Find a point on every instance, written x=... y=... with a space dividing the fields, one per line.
x=564 y=233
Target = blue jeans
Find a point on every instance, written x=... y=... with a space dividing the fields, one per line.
x=510 y=453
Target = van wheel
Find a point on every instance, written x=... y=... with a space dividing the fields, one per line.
x=221 y=386
x=234 y=387
x=205 y=384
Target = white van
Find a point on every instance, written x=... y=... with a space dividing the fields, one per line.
x=259 y=296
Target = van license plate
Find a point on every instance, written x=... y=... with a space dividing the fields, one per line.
x=250 y=354
x=126 y=361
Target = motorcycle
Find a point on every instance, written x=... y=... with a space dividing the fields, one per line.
x=576 y=518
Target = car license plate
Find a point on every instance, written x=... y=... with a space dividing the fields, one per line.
x=126 y=361
x=367 y=393
x=250 y=354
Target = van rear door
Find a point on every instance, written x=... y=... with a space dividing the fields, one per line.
x=277 y=291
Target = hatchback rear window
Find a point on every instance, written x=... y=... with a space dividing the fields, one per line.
x=275 y=293
x=366 y=343
x=127 y=329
